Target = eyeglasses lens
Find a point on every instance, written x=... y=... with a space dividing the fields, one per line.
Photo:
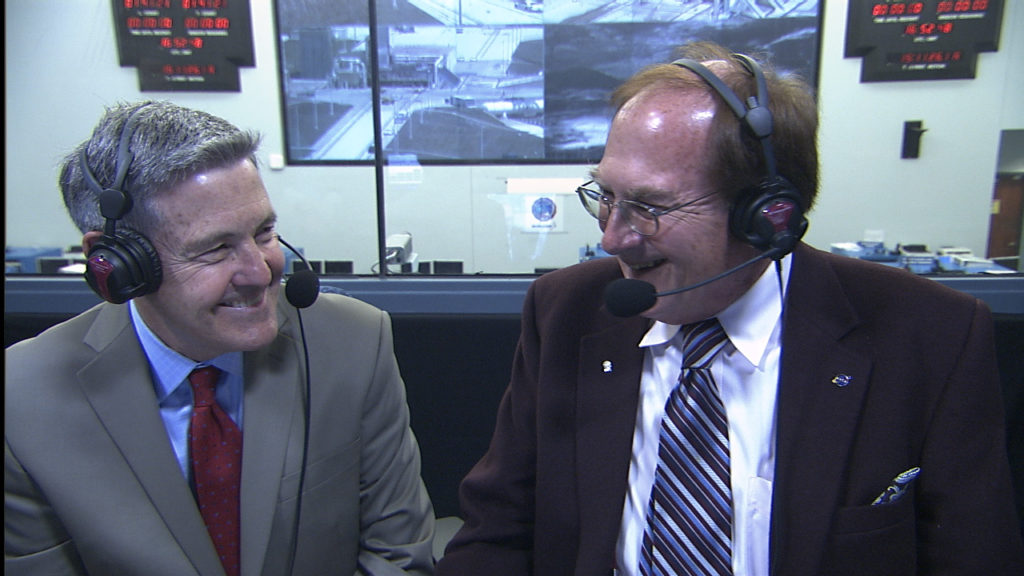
x=639 y=217
x=591 y=200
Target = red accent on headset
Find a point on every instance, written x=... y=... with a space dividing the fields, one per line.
x=100 y=268
x=779 y=214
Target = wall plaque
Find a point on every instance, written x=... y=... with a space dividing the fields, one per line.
x=185 y=45
x=930 y=40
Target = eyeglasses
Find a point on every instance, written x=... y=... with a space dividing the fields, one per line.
x=642 y=218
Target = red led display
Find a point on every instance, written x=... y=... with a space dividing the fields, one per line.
x=204 y=4
x=928 y=29
x=189 y=69
x=146 y=4
x=928 y=57
x=180 y=43
x=928 y=40
x=207 y=23
x=962 y=6
x=185 y=44
x=897 y=8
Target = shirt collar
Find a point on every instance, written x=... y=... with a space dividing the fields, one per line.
x=749 y=321
x=169 y=368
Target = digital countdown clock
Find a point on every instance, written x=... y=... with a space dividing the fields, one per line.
x=185 y=45
x=932 y=40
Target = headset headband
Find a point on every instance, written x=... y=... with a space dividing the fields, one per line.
x=754 y=114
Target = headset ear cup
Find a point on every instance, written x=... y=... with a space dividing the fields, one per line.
x=769 y=217
x=123 y=267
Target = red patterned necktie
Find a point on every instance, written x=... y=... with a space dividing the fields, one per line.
x=216 y=446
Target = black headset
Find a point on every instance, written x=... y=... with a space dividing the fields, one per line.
x=121 y=265
x=768 y=215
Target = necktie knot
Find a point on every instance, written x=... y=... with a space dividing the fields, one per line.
x=204 y=385
x=702 y=341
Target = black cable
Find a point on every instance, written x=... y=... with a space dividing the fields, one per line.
x=303 y=300
x=305 y=445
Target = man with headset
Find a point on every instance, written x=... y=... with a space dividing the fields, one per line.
x=296 y=456
x=841 y=417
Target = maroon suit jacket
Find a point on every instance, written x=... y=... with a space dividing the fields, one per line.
x=923 y=390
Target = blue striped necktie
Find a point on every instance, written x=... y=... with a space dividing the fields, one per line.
x=689 y=521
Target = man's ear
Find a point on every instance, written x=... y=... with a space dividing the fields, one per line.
x=89 y=240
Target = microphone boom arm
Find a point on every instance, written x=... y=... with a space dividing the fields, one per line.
x=627 y=297
x=732 y=270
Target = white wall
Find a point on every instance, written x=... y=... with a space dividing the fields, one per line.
x=61 y=71
x=943 y=197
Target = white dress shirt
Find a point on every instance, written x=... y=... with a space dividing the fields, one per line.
x=747 y=374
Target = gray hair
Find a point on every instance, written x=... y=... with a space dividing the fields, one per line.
x=169 y=145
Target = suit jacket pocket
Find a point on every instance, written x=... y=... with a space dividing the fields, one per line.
x=877 y=540
x=343 y=461
x=60 y=559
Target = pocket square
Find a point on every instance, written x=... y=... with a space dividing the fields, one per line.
x=898 y=488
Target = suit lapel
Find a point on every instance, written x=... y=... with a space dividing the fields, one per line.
x=607 y=395
x=119 y=387
x=821 y=392
x=271 y=432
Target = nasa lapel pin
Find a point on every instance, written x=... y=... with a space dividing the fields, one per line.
x=842 y=380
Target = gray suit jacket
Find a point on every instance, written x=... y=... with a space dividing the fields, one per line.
x=880 y=371
x=91 y=484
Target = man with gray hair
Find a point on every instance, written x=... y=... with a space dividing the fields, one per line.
x=195 y=422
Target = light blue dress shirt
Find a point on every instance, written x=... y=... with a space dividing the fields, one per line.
x=170 y=372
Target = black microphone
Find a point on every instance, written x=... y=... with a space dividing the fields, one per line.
x=628 y=297
x=302 y=287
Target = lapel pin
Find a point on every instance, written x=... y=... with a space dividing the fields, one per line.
x=607 y=366
x=842 y=380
